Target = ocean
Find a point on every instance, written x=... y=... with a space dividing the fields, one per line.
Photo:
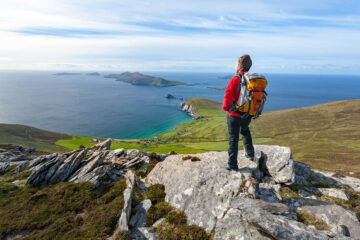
x=102 y=107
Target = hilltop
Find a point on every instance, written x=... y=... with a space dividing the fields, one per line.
x=96 y=193
x=137 y=78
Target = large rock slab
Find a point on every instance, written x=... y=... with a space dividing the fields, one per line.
x=96 y=159
x=203 y=189
x=260 y=223
x=336 y=217
x=334 y=179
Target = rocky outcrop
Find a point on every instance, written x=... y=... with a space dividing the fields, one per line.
x=97 y=165
x=189 y=109
x=123 y=223
x=14 y=155
x=4 y=167
x=247 y=204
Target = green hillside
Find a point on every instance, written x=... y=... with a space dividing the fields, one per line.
x=326 y=136
x=31 y=137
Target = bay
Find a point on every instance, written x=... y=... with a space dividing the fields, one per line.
x=101 y=107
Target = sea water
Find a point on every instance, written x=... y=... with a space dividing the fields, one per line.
x=102 y=107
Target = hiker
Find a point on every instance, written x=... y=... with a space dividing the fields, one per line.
x=237 y=124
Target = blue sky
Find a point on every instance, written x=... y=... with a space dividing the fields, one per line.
x=131 y=35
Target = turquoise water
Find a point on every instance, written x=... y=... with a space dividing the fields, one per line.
x=96 y=106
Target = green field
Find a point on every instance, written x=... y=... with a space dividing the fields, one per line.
x=326 y=136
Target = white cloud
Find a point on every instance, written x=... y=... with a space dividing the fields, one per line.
x=157 y=35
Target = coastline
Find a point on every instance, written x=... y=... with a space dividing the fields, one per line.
x=190 y=110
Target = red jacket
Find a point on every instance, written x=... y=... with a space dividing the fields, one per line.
x=232 y=95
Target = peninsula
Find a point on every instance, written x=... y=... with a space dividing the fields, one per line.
x=137 y=78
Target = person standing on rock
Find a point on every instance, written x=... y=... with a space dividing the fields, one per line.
x=236 y=124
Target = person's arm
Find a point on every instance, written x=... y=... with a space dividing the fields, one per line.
x=230 y=93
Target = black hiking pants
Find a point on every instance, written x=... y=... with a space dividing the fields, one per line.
x=237 y=126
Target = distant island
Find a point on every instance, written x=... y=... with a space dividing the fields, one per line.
x=217 y=88
x=137 y=78
x=66 y=74
x=93 y=74
x=169 y=96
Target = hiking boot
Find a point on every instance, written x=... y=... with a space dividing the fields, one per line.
x=251 y=158
x=228 y=167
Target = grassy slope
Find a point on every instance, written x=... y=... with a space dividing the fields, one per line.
x=326 y=136
x=61 y=211
x=31 y=137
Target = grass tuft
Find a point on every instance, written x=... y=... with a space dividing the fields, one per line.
x=156 y=193
x=176 y=217
x=157 y=211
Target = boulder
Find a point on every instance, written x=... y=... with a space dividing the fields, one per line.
x=279 y=163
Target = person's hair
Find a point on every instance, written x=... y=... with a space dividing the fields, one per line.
x=244 y=63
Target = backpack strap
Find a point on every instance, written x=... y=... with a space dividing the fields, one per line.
x=241 y=82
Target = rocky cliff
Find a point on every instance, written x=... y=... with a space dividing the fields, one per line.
x=189 y=109
x=274 y=197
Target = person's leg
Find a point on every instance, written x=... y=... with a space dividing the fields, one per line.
x=233 y=128
x=246 y=137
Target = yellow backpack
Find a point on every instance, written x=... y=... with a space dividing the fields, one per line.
x=252 y=95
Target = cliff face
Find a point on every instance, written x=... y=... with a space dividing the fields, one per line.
x=274 y=197
x=189 y=109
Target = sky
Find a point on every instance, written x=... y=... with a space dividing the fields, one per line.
x=185 y=35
